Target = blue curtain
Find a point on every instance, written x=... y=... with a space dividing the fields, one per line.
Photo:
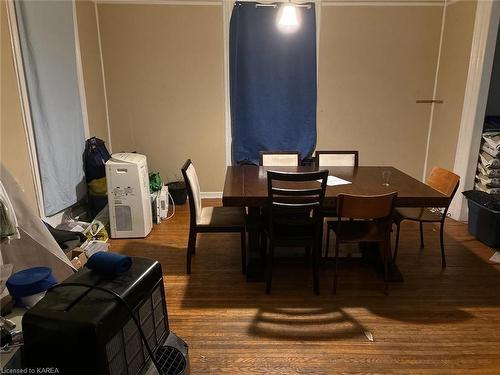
x=272 y=82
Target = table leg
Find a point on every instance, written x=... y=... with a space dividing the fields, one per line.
x=255 y=262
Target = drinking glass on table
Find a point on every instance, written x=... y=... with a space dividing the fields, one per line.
x=386 y=177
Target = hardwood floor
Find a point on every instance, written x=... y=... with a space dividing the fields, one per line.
x=445 y=322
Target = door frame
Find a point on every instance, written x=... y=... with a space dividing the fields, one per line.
x=475 y=99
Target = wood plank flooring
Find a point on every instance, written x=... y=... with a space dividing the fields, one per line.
x=436 y=322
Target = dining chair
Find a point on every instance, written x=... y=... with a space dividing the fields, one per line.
x=337 y=158
x=363 y=218
x=276 y=159
x=294 y=201
x=445 y=182
x=210 y=219
x=279 y=158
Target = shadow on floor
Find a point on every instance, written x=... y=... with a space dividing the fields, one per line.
x=429 y=294
x=305 y=324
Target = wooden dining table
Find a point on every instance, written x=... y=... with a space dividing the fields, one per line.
x=246 y=186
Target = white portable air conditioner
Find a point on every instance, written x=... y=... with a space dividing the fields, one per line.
x=128 y=195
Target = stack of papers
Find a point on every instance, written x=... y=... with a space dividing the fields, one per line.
x=334 y=181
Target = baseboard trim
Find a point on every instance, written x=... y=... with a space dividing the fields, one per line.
x=211 y=194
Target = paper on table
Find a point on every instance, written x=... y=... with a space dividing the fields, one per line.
x=496 y=257
x=334 y=181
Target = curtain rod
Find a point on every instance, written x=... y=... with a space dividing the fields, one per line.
x=258 y=5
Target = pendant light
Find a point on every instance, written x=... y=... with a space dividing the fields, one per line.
x=288 y=18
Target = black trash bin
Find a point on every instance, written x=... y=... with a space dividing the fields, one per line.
x=177 y=190
x=484 y=216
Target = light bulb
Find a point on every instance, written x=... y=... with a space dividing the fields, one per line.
x=288 y=19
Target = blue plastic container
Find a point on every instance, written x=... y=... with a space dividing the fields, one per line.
x=30 y=282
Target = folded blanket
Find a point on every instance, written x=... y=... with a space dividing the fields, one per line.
x=489 y=161
x=488 y=181
x=492 y=139
x=107 y=263
x=494 y=152
x=488 y=171
x=486 y=189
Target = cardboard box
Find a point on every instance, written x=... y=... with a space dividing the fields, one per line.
x=77 y=257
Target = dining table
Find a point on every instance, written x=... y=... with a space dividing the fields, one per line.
x=246 y=186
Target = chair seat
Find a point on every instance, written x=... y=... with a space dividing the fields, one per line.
x=222 y=217
x=416 y=214
x=360 y=231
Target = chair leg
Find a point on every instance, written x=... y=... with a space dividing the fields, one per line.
x=421 y=235
x=243 y=252
x=441 y=239
x=335 y=261
x=327 y=241
x=386 y=255
x=193 y=249
x=316 y=261
x=269 y=268
x=396 y=246
x=190 y=249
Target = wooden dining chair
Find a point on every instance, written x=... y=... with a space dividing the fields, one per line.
x=294 y=201
x=210 y=219
x=363 y=218
x=336 y=159
x=445 y=182
x=279 y=158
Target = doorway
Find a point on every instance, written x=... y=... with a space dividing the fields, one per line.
x=475 y=100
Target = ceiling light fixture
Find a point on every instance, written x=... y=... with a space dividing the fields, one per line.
x=288 y=18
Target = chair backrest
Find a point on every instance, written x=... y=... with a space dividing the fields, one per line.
x=337 y=158
x=279 y=158
x=366 y=207
x=193 y=190
x=444 y=181
x=295 y=198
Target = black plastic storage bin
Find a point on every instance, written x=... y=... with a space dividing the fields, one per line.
x=484 y=218
x=178 y=192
